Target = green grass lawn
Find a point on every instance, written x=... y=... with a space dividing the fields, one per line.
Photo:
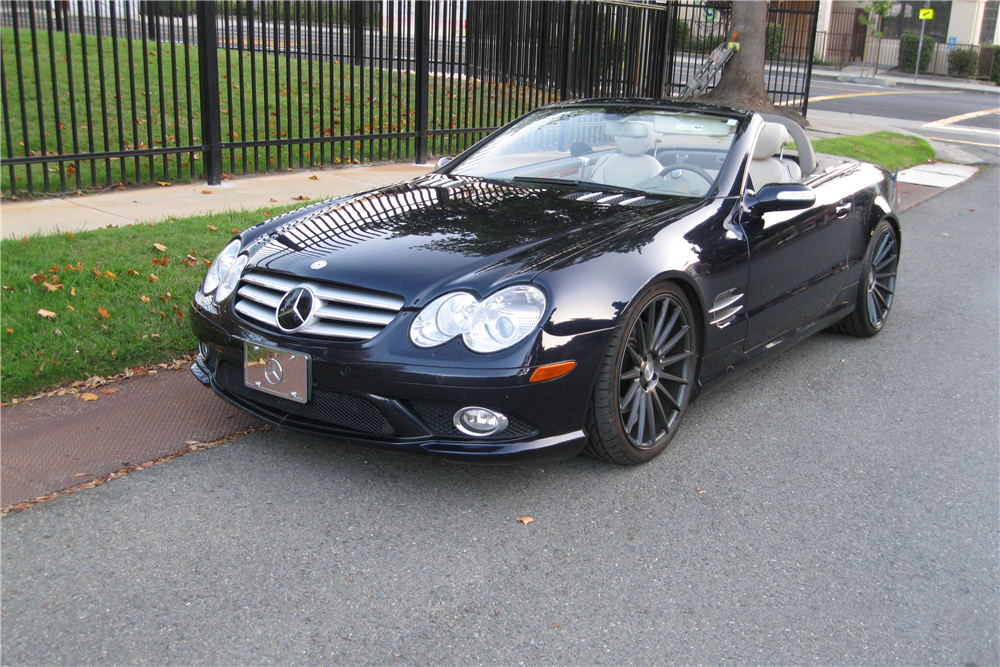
x=262 y=96
x=889 y=149
x=108 y=311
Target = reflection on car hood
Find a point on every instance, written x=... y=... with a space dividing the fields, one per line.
x=437 y=233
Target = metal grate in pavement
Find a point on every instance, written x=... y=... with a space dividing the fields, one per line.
x=45 y=444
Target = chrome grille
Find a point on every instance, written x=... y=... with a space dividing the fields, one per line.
x=345 y=313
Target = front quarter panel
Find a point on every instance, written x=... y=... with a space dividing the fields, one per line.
x=700 y=251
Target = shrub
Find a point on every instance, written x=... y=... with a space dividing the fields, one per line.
x=773 y=39
x=908 y=47
x=962 y=63
x=991 y=51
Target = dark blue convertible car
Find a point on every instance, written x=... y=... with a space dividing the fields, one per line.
x=569 y=284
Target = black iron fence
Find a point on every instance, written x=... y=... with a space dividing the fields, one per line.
x=102 y=94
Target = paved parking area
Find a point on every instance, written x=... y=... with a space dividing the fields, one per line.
x=837 y=505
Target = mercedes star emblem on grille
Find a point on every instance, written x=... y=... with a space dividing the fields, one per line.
x=296 y=309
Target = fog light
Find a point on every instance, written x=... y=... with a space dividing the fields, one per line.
x=203 y=350
x=479 y=422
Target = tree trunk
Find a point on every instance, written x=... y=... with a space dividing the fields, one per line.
x=742 y=83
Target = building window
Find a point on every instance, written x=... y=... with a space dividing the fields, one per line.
x=989 y=22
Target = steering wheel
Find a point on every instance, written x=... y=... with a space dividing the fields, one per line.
x=688 y=167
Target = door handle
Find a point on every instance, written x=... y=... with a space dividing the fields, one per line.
x=843 y=209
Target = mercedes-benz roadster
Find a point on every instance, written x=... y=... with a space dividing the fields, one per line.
x=571 y=283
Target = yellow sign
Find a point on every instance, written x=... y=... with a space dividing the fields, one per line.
x=926 y=14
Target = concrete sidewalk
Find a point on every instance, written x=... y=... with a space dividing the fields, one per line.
x=152 y=204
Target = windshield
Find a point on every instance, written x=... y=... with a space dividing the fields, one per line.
x=648 y=151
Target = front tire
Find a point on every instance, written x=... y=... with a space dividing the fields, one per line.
x=646 y=379
x=876 y=286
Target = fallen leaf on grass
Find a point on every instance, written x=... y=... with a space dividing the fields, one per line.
x=213 y=228
x=105 y=314
x=69 y=235
x=71 y=308
x=144 y=299
x=159 y=262
x=153 y=278
x=25 y=240
x=72 y=291
x=300 y=198
x=110 y=276
x=39 y=277
x=188 y=262
x=131 y=272
x=236 y=231
x=110 y=390
x=525 y=519
x=160 y=247
x=89 y=397
x=179 y=314
x=53 y=288
x=9 y=330
x=47 y=314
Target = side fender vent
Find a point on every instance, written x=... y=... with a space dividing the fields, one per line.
x=727 y=307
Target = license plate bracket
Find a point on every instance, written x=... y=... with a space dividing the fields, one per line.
x=277 y=372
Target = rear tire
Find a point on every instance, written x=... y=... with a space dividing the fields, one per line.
x=876 y=285
x=645 y=381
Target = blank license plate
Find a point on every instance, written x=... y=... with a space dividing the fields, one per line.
x=278 y=372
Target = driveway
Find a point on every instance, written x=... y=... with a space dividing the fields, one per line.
x=837 y=505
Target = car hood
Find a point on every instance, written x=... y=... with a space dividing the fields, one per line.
x=437 y=233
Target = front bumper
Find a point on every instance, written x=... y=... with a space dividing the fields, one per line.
x=410 y=408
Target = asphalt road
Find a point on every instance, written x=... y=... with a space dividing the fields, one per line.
x=839 y=505
x=967 y=119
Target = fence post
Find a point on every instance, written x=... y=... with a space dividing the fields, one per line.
x=812 y=56
x=569 y=48
x=208 y=74
x=422 y=58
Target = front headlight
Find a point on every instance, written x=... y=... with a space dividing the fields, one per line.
x=220 y=266
x=231 y=279
x=498 y=322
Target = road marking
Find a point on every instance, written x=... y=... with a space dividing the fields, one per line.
x=959 y=119
x=971 y=143
x=895 y=92
x=823 y=98
x=962 y=128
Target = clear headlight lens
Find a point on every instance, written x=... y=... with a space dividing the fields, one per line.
x=498 y=322
x=231 y=279
x=220 y=267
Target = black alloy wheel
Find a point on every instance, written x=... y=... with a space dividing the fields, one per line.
x=877 y=285
x=646 y=380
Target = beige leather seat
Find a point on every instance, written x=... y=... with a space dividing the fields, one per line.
x=764 y=167
x=631 y=163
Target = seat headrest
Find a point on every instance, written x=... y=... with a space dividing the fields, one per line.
x=634 y=137
x=772 y=137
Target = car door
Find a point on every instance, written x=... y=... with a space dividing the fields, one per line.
x=798 y=262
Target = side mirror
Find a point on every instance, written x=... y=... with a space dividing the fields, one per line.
x=779 y=197
x=443 y=161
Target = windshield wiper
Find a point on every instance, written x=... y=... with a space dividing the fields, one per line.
x=603 y=187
